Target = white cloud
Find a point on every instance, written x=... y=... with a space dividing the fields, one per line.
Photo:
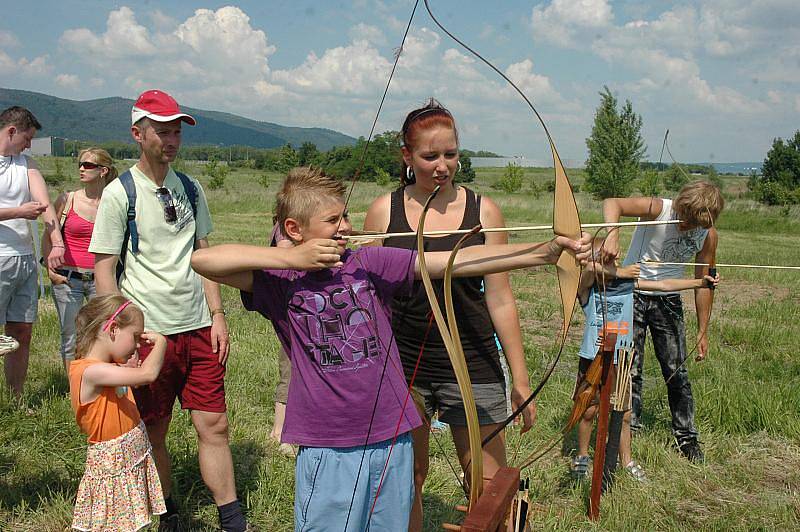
x=213 y=57
x=24 y=67
x=560 y=21
x=663 y=50
x=8 y=40
x=68 y=81
x=356 y=69
x=369 y=33
x=124 y=38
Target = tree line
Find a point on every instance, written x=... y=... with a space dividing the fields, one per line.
x=381 y=161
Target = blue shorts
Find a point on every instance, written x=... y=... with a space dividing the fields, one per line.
x=325 y=481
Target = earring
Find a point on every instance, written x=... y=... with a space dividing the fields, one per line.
x=410 y=177
x=459 y=167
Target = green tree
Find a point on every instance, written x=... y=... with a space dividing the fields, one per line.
x=780 y=173
x=287 y=158
x=675 y=178
x=615 y=148
x=307 y=153
x=467 y=173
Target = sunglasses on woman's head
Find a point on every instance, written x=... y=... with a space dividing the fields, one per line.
x=89 y=165
x=170 y=214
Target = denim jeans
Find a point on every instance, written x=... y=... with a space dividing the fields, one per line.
x=664 y=316
x=69 y=298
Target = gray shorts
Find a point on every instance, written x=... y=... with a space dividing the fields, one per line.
x=19 y=289
x=445 y=399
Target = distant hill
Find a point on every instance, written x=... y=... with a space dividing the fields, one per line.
x=108 y=119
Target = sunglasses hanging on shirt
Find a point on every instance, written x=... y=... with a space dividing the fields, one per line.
x=170 y=214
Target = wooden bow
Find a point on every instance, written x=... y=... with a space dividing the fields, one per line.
x=452 y=343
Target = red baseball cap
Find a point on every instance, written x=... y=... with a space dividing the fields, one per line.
x=159 y=106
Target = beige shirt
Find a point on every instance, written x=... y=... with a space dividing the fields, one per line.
x=159 y=279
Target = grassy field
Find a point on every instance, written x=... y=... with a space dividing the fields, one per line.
x=747 y=394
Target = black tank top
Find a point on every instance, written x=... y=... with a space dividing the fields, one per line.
x=411 y=314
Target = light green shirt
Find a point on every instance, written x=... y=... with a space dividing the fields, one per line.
x=160 y=278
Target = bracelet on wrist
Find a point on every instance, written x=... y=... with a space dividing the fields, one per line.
x=56 y=245
x=217 y=311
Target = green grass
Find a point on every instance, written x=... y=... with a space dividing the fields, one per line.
x=747 y=394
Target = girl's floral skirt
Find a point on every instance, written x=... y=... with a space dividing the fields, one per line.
x=120 y=489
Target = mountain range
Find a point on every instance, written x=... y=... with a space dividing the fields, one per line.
x=108 y=119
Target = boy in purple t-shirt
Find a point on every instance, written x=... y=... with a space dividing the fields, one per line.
x=331 y=310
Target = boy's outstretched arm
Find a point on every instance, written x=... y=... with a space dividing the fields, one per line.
x=233 y=264
x=676 y=285
x=475 y=261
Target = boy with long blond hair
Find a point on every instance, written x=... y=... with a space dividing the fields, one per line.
x=694 y=239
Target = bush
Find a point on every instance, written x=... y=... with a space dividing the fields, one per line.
x=382 y=177
x=216 y=173
x=264 y=180
x=650 y=183
x=536 y=188
x=675 y=178
x=511 y=180
x=773 y=193
x=58 y=176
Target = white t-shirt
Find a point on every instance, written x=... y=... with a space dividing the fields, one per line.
x=160 y=278
x=15 y=235
x=664 y=243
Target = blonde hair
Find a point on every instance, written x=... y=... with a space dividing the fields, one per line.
x=304 y=190
x=699 y=204
x=102 y=158
x=95 y=314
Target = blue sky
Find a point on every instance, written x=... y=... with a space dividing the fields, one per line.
x=722 y=75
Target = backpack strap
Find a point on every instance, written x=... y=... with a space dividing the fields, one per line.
x=131 y=232
x=191 y=191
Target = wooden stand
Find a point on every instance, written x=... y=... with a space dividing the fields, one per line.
x=606 y=386
x=489 y=514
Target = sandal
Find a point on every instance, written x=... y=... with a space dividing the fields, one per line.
x=636 y=471
x=8 y=344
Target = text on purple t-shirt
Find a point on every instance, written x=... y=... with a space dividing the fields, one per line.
x=335 y=325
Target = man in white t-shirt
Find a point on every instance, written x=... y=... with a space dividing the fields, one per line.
x=23 y=197
x=176 y=302
x=697 y=205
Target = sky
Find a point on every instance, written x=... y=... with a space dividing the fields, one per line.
x=723 y=76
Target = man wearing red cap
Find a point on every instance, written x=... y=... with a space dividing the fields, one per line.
x=171 y=220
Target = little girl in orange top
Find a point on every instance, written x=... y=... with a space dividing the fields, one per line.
x=120 y=488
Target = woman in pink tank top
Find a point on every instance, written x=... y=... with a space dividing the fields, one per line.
x=73 y=282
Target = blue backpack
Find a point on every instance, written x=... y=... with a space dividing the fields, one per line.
x=131 y=232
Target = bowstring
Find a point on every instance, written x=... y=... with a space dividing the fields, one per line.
x=356 y=175
x=519 y=91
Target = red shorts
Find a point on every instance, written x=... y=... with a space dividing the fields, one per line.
x=191 y=372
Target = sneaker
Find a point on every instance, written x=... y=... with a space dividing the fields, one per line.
x=170 y=523
x=8 y=344
x=438 y=426
x=636 y=471
x=691 y=450
x=579 y=468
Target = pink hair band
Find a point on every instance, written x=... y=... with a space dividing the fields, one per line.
x=116 y=313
